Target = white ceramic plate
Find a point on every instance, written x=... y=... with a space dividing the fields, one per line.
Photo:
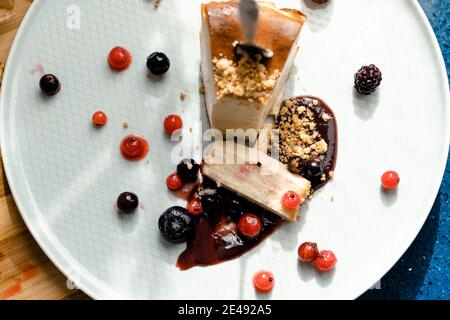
x=65 y=175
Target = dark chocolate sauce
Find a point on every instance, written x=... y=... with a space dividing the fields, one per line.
x=216 y=236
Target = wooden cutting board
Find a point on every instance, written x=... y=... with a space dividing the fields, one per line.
x=25 y=271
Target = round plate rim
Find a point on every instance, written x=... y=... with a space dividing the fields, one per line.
x=92 y=288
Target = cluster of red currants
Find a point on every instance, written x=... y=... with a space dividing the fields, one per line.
x=324 y=260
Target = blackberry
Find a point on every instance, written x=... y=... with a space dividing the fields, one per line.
x=367 y=79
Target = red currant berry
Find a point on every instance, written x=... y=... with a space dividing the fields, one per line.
x=132 y=146
x=390 y=180
x=291 y=200
x=326 y=260
x=172 y=123
x=174 y=182
x=99 y=118
x=195 y=207
x=119 y=59
x=264 y=281
x=307 y=252
x=250 y=225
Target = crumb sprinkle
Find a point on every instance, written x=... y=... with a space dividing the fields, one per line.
x=125 y=125
x=246 y=79
x=298 y=135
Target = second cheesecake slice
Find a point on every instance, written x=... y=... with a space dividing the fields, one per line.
x=255 y=176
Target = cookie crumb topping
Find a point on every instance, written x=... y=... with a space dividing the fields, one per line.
x=246 y=79
x=298 y=134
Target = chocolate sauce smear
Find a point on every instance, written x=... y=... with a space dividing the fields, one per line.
x=217 y=238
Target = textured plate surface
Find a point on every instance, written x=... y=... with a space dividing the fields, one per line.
x=65 y=175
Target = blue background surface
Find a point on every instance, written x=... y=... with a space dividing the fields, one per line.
x=424 y=270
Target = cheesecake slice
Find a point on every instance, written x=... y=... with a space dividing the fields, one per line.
x=242 y=91
x=254 y=175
